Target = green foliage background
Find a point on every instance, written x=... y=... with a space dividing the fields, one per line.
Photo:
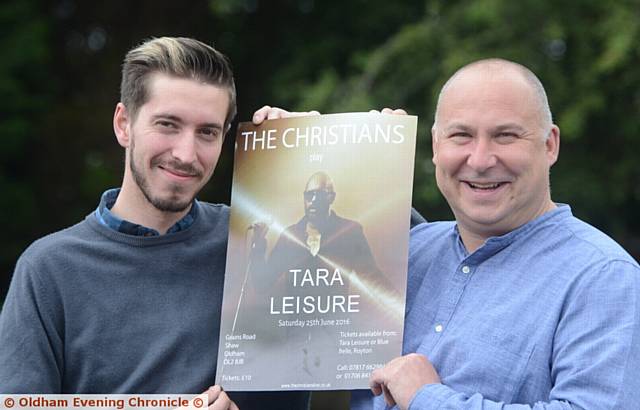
x=59 y=77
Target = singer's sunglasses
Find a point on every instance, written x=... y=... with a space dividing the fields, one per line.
x=316 y=193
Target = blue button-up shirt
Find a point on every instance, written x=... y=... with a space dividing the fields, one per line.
x=544 y=317
x=106 y=217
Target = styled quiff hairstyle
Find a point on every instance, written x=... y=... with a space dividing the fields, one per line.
x=179 y=57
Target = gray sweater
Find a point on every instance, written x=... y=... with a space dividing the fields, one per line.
x=92 y=310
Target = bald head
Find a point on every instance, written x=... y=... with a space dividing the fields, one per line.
x=319 y=181
x=496 y=68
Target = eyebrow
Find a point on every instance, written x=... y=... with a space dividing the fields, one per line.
x=501 y=127
x=458 y=126
x=175 y=118
x=509 y=126
x=166 y=117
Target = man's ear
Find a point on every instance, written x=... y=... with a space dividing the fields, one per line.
x=434 y=140
x=332 y=197
x=122 y=125
x=227 y=127
x=552 y=145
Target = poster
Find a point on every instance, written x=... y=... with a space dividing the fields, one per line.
x=317 y=256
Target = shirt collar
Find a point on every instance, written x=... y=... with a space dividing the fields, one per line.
x=496 y=243
x=106 y=217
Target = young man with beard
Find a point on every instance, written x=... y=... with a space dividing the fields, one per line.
x=129 y=299
x=516 y=304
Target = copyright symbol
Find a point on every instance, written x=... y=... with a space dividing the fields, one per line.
x=198 y=402
x=9 y=402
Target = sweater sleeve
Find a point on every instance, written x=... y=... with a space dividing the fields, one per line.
x=31 y=339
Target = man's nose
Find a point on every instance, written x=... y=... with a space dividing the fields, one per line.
x=482 y=155
x=185 y=149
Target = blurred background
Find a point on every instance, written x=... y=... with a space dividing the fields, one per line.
x=59 y=79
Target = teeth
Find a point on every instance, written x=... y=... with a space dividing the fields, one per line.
x=484 y=186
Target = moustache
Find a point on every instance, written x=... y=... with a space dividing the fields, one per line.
x=178 y=166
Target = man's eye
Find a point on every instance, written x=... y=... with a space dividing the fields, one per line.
x=460 y=136
x=209 y=133
x=166 y=124
x=506 y=137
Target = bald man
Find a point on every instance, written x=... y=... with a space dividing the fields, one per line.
x=320 y=240
x=516 y=304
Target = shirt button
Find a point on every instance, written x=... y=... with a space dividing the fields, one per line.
x=438 y=328
x=465 y=269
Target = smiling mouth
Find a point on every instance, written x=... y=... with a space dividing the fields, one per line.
x=487 y=187
x=178 y=173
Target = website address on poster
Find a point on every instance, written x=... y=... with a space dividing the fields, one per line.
x=304 y=385
x=103 y=401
